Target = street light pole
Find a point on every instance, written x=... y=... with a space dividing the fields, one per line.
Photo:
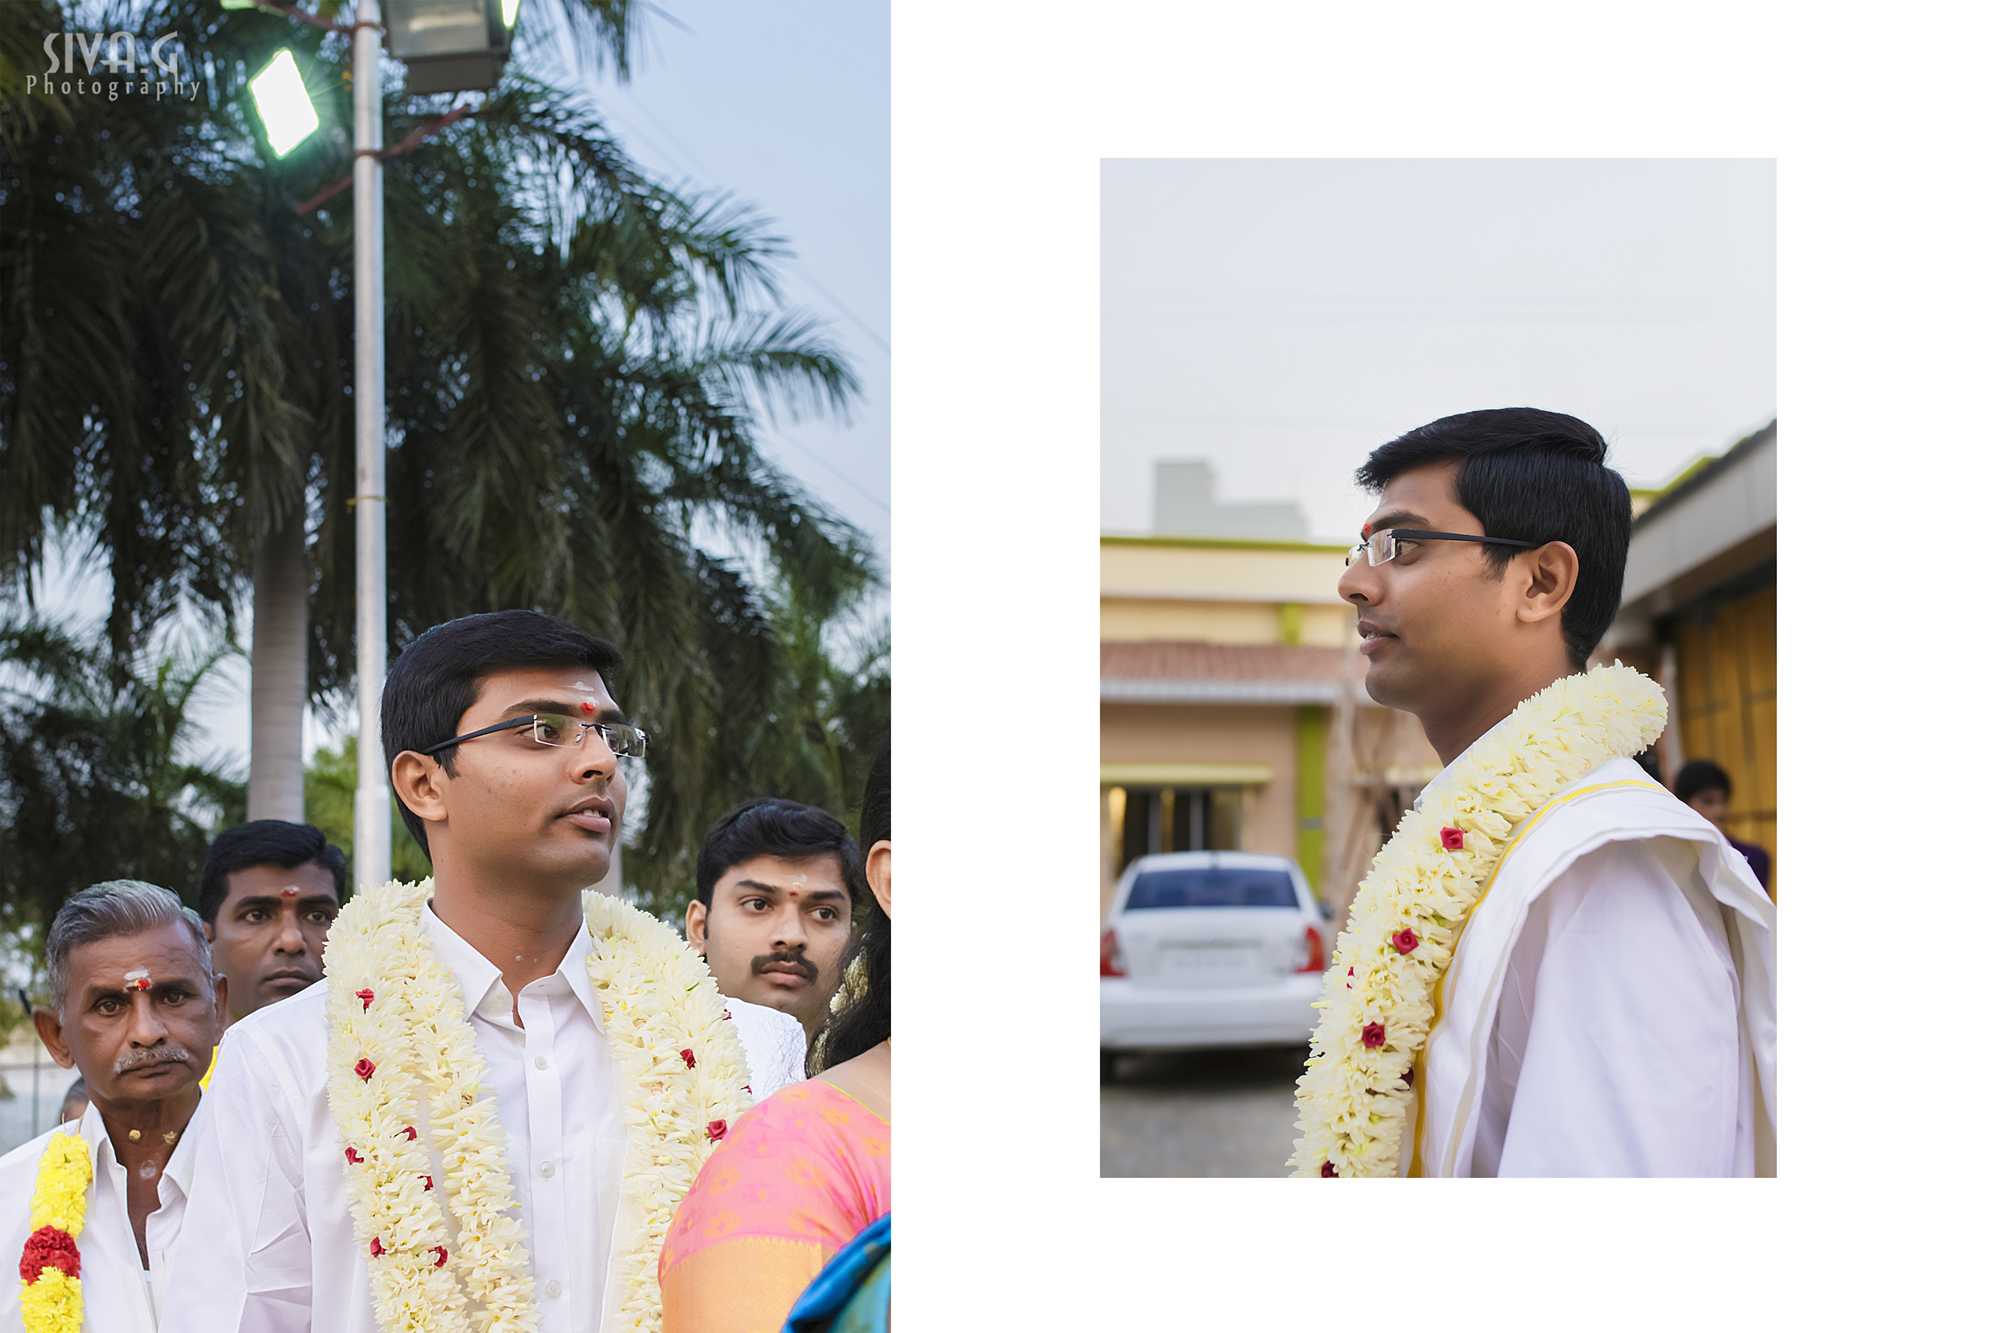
x=371 y=618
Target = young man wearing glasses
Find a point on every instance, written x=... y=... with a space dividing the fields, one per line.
x=1573 y=975
x=508 y=753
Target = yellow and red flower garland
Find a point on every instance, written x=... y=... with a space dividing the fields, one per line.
x=51 y=1267
x=1378 y=1008
x=401 y=1054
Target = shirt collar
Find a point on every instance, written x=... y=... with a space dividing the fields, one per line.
x=103 y=1156
x=479 y=980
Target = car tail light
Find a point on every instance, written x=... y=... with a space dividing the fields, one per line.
x=1110 y=961
x=1315 y=951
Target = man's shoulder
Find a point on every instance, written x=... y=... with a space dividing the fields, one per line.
x=762 y=1017
x=26 y=1159
x=293 y=1029
x=1618 y=802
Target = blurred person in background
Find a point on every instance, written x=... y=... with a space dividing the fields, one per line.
x=796 y=1199
x=269 y=892
x=1704 y=785
x=775 y=888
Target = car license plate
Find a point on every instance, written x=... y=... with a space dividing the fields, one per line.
x=1211 y=959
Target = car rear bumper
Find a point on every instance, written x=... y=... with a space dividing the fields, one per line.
x=1133 y=1017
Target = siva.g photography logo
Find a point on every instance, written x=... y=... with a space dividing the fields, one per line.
x=113 y=65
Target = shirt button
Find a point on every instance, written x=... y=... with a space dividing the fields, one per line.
x=541 y=1062
x=547 y=1169
x=552 y=1290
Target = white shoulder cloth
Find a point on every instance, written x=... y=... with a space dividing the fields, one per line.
x=1615 y=803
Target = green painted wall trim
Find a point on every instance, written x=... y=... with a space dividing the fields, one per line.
x=1310 y=793
x=1291 y=623
x=1219 y=543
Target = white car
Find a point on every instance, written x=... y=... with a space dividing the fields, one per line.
x=1209 y=949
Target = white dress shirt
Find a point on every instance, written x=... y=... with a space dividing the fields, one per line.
x=1616 y=1049
x=115 y=1296
x=560 y=1105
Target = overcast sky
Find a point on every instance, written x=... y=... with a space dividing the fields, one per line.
x=1281 y=318
x=785 y=104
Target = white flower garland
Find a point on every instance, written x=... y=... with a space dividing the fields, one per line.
x=403 y=1079
x=1355 y=1098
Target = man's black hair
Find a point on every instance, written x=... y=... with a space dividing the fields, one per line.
x=864 y=1023
x=769 y=826
x=1700 y=775
x=1537 y=477
x=266 y=842
x=437 y=678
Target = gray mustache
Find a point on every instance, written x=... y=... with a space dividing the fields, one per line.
x=152 y=1055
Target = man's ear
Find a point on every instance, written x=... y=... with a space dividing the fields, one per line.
x=49 y=1028
x=208 y=931
x=1551 y=574
x=221 y=1001
x=697 y=925
x=419 y=783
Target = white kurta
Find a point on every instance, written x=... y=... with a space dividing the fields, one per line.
x=293 y=1262
x=1610 y=1009
x=114 y=1283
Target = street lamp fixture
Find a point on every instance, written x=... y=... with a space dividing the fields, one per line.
x=451 y=45
x=283 y=104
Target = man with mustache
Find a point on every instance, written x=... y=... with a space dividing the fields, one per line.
x=136 y=1008
x=774 y=906
x=269 y=893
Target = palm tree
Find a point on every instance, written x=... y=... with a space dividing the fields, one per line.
x=98 y=779
x=582 y=365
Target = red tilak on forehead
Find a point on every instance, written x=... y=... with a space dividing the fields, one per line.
x=288 y=892
x=588 y=707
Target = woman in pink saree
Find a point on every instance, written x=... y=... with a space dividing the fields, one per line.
x=807 y=1169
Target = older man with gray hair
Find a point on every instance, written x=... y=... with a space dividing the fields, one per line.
x=136 y=1008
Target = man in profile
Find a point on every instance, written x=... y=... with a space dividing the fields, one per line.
x=774 y=906
x=94 y=1207
x=1608 y=1008
x=269 y=893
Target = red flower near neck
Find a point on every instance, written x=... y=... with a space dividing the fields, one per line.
x=409 y=1132
x=688 y=1055
x=1326 y=1170
x=1452 y=838
x=428 y=1182
x=1405 y=940
x=441 y=1253
x=50 y=1247
x=1350 y=978
x=367 y=997
x=716 y=1129
x=365 y=1067
x=354 y=1158
x=375 y=1250
x=1373 y=1035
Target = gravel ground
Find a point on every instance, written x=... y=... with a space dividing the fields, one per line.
x=1213 y=1113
